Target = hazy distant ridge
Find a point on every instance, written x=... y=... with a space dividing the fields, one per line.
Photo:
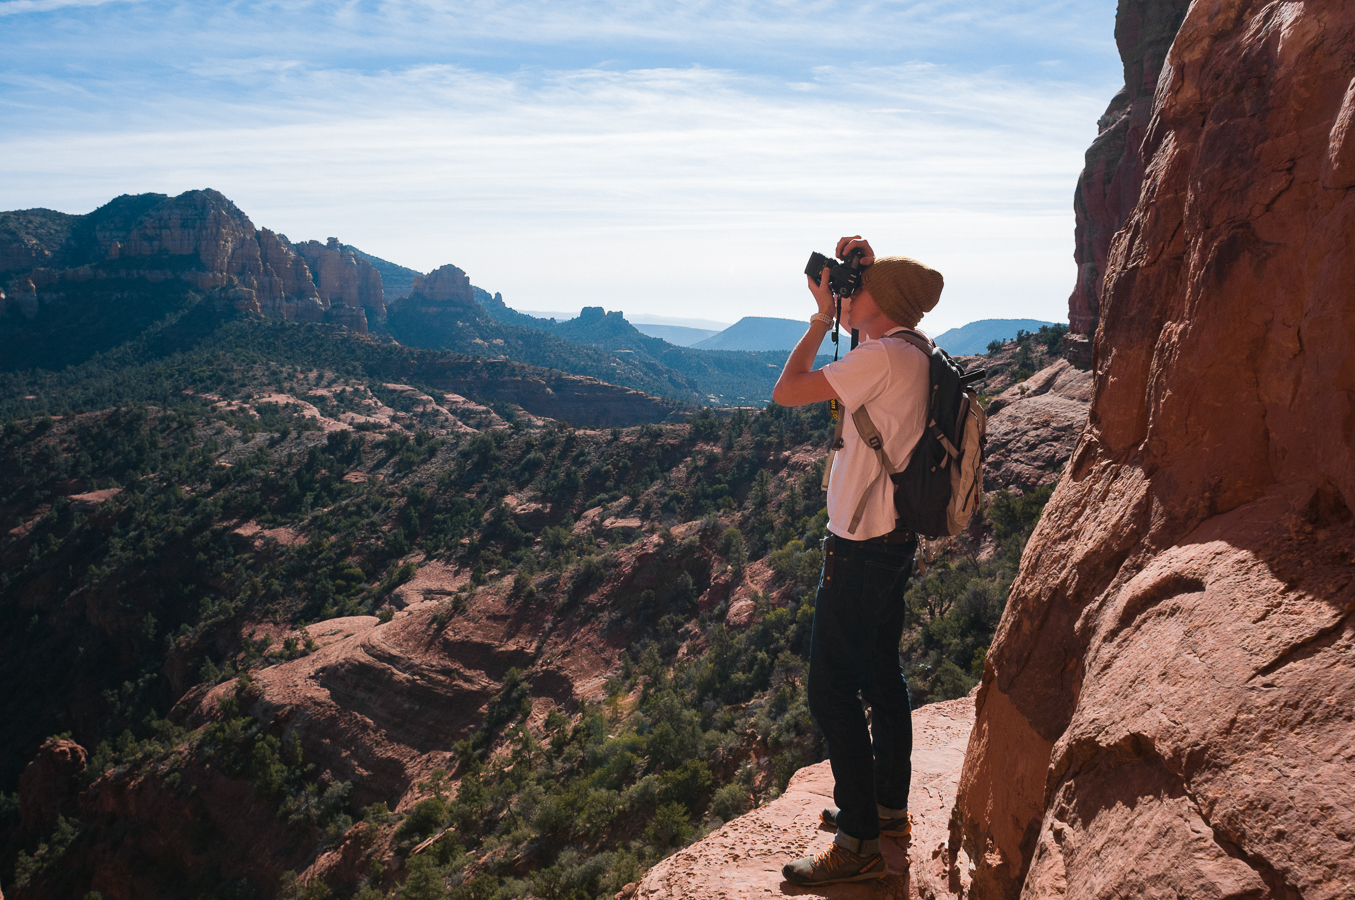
x=762 y=333
x=976 y=336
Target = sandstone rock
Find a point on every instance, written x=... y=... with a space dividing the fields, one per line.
x=577 y=399
x=743 y=859
x=91 y=501
x=50 y=783
x=199 y=237
x=444 y=286
x=1109 y=185
x=344 y=280
x=1167 y=705
x=1032 y=427
x=207 y=830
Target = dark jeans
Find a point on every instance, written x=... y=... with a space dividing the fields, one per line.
x=858 y=622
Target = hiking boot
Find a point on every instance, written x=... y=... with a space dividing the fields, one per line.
x=895 y=828
x=836 y=865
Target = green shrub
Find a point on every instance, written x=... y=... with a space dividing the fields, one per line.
x=730 y=801
x=669 y=825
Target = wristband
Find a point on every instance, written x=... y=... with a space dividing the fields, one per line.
x=822 y=317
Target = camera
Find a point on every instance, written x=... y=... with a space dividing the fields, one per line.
x=843 y=277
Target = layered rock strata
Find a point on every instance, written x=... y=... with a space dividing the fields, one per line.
x=1167 y=705
x=442 y=287
x=1109 y=185
x=199 y=237
x=347 y=282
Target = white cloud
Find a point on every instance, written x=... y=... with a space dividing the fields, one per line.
x=18 y=7
x=489 y=134
x=690 y=191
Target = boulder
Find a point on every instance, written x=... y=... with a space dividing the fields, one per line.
x=1167 y=705
x=1033 y=425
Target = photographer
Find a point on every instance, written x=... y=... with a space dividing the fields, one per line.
x=859 y=609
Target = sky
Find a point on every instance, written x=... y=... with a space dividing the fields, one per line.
x=676 y=159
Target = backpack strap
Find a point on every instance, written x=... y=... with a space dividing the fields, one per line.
x=832 y=451
x=871 y=435
x=917 y=339
x=921 y=342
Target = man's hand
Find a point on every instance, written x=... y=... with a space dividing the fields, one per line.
x=823 y=294
x=848 y=244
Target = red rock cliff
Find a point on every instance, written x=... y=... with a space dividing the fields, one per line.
x=345 y=280
x=1167 y=706
x=200 y=237
x=1109 y=185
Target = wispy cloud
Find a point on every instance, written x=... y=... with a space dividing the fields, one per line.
x=697 y=187
x=19 y=7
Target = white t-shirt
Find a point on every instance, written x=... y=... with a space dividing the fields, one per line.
x=891 y=378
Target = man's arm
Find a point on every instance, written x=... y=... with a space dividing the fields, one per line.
x=797 y=384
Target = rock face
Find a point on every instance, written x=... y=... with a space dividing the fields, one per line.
x=743 y=859
x=1109 y=185
x=198 y=237
x=49 y=783
x=1167 y=705
x=1033 y=426
x=444 y=286
x=350 y=284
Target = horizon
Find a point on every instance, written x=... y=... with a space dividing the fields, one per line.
x=669 y=160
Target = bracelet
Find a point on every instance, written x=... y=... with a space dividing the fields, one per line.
x=822 y=317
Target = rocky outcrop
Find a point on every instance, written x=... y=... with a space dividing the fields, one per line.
x=576 y=399
x=198 y=237
x=50 y=783
x=346 y=281
x=446 y=286
x=1109 y=185
x=1166 y=706
x=1033 y=426
x=743 y=859
x=27 y=237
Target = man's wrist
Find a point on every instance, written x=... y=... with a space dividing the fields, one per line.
x=822 y=318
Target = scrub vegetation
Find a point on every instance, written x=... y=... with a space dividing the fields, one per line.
x=114 y=606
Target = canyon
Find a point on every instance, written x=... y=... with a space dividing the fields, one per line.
x=474 y=627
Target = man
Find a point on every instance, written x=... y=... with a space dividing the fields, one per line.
x=858 y=612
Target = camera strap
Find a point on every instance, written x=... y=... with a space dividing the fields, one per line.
x=833 y=406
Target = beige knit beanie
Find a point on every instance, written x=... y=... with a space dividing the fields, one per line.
x=903 y=288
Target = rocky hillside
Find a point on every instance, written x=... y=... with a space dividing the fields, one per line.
x=726 y=376
x=77 y=285
x=273 y=585
x=1167 y=704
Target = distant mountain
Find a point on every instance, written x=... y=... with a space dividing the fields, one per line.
x=759 y=333
x=733 y=377
x=644 y=318
x=680 y=335
x=976 y=336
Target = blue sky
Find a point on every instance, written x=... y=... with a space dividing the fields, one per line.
x=676 y=159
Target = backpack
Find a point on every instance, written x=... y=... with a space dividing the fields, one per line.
x=937 y=493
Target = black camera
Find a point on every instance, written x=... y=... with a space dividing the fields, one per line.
x=843 y=277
